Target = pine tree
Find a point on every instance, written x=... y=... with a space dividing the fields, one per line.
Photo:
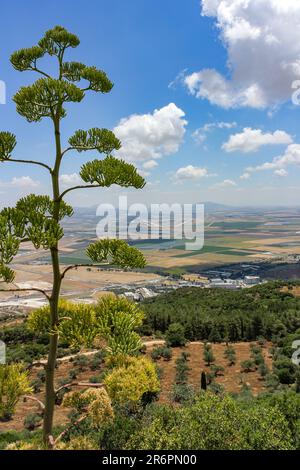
x=38 y=218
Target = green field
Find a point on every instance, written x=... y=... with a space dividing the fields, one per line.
x=214 y=249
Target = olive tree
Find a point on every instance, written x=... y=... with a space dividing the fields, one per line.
x=37 y=218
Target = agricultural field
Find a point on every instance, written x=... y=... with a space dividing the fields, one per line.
x=232 y=238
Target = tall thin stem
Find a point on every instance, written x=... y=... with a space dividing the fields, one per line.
x=54 y=299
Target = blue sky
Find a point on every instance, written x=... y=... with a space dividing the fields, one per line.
x=234 y=69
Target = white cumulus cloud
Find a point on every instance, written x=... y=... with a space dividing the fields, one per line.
x=226 y=184
x=23 y=182
x=245 y=176
x=190 y=172
x=151 y=136
x=251 y=140
x=290 y=157
x=281 y=172
x=67 y=179
x=262 y=39
x=150 y=164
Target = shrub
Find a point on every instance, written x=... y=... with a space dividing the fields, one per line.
x=185 y=355
x=182 y=393
x=36 y=385
x=158 y=334
x=97 y=360
x=10 y=437
x=167 y=354
x=23 y=445
x=285 y=376
x=13 y=384
x=62 y=392
x=159 y=372
x=76 y=327
x=81 y=362
x=258 y=359
x=26 y=353
x=246 y=389
x=247 y=365
x=117 y=433
x=78 y=443
x=129 y=382
x=64 y=381
x=285 y=370
x=263 y=369
x=288 y=402
x=229 y=352
x=181 y=375
x=261 y=341
x=41 y=375
x=213 y=422
x=95 y=379
x=92 y=403
x=271 y=382
x=216 y=369
x=175 y=335
x=73 y=374
x=210 y=376
x=231 y=357
x=255 y=349
x=117 y=320
x=216 y=388
x=156 y=354
x=161 y=351
x=32 y=421
x=95 y=363
x=208 y=356
x=16 y=334
x=181 y=369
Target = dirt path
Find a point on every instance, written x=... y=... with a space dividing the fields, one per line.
x=154 y=342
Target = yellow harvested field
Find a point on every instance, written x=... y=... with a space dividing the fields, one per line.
x=171 y=259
